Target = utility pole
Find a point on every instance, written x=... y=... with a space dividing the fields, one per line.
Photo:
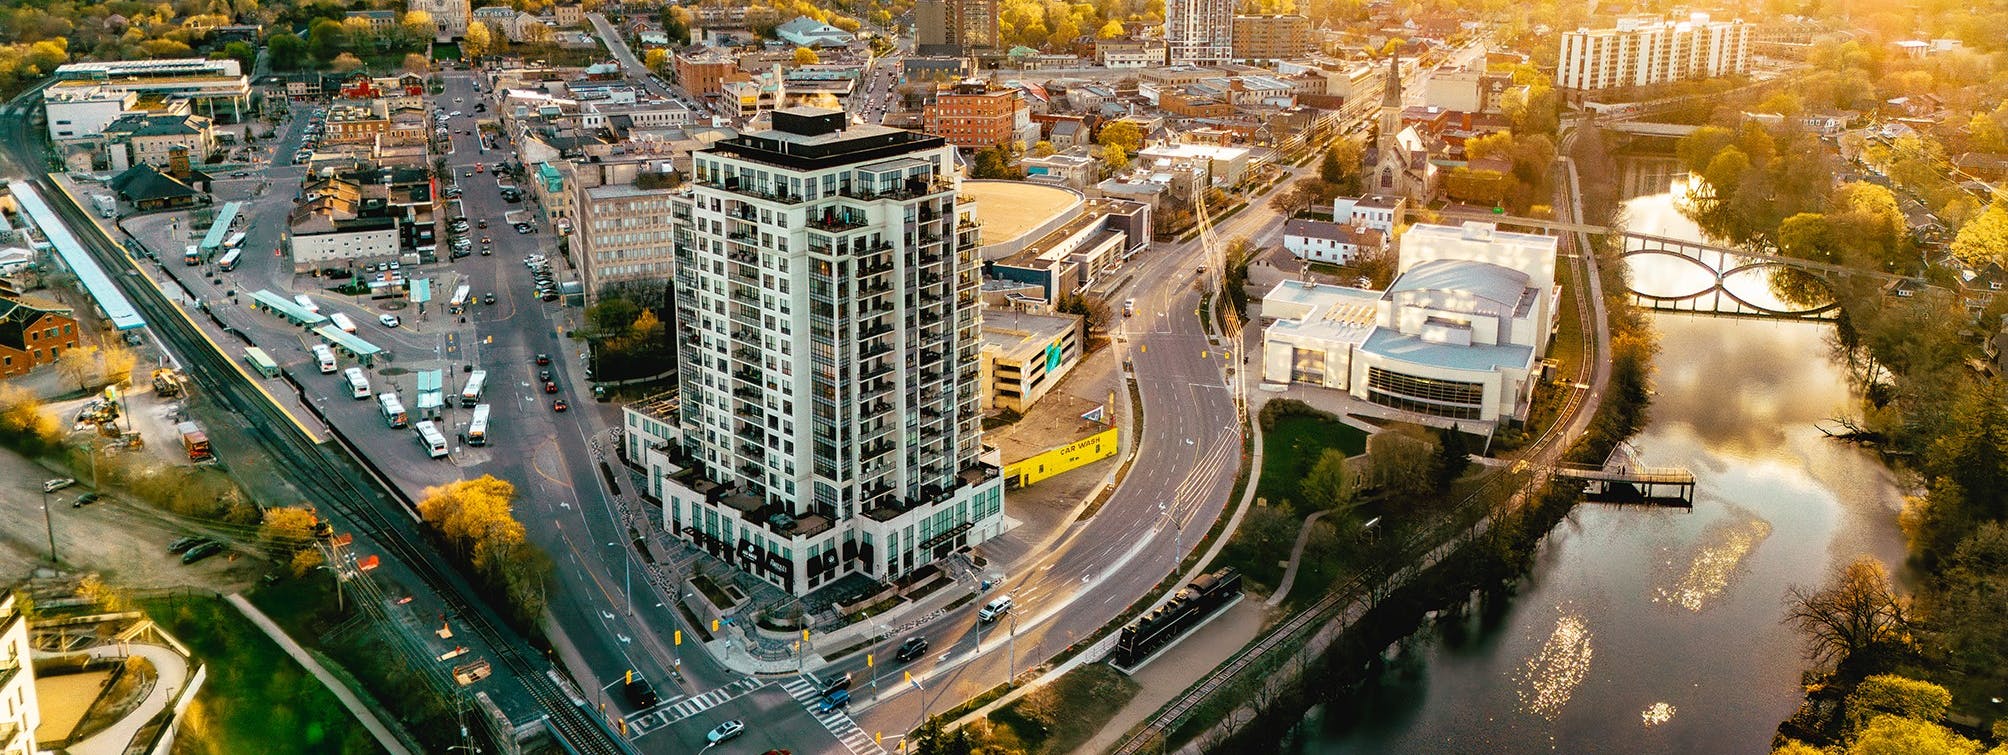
x=50 y=522
x=1012 y=642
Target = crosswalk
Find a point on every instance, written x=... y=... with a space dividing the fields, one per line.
x=679 y=708
x=807 y=692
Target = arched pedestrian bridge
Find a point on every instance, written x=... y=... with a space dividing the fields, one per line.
x=1711 y=279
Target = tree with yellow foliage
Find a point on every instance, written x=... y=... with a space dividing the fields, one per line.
x=287 y=528
x=478 y=41
x=806 y=57
x=474 y=517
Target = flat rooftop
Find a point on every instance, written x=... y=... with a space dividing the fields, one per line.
x=1008 y=210
x=1020 y=333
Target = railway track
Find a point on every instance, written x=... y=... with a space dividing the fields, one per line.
x=316 y=472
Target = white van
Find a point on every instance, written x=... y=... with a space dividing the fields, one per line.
x=994 y=610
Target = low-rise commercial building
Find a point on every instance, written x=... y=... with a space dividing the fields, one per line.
x=1025 y=355
x=150 y=139
x=1326 y=241
x=1457 y=337
x=971 y=115
x=33 y=334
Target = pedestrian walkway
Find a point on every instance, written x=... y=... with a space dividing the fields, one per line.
x=809 y=694
x=362 y=712
x=692 y=706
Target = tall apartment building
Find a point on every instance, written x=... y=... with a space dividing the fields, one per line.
x=829 y=419
x=971 y=115
x=20 y=710
x=1199 y=32
x=967 y=25
x=1646 y=50
x=1271 y=37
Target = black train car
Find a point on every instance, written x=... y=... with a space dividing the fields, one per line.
x=1186 y=609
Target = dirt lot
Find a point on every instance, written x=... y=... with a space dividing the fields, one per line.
x=122 y=541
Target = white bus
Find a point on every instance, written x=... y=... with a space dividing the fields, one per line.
x=236 y=240
x=229 y=261
x=459 y=302
x=326 y=357
x=359 y=384
x=477 y=429
x=430 y=439
x=342 y=321
x=471 y=394
x=393 y=410
x=306 y=303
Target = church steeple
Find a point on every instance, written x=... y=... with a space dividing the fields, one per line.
x=1393 y=96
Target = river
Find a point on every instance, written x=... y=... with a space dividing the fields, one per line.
x=1658 y=630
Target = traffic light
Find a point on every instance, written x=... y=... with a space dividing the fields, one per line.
x=714 y=625
x=679 y=638
x=805 y=635
x=868 y=660
x=630 y=676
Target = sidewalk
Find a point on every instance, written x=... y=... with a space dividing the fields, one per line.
x=362 y=712
x=1168 y=676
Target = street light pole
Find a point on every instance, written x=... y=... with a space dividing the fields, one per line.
x=50 y=522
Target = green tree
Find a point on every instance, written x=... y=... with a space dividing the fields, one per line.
x=994 y=162
x=242 y=52
x=287 y=50
x=1043 y=148
x=1453 y=456
x=1405 y=461
x=327 y=39
x=1725 y=173
x=1327 y=486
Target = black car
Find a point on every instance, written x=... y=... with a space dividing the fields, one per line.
x=84 y=500
x=911 y=649
x=640 y=693
x=205 y=550
x=182 y=545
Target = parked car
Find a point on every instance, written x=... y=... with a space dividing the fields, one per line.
x=64 y=482
x=84 y=500
x=183 y=544
x=725 y=731
x=206 y=549
x=911 y=649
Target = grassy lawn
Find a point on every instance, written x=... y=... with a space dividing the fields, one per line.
x=1292 y=447
x=305 y=608
x=446 y=51
x=1061 y=716
x=256 y=699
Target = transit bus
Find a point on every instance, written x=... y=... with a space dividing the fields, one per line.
x=236 y=240
x=430 y=439
x=393 y=410
x=193 y=256
x=326 y=357
x=229 y=261
x=359 y=384
x=261 y=362
x=477 y=429
x=342 y=321
x=306 y=303
x=459 y=302
x=471 y=393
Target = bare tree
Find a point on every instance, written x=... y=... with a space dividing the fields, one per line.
x=1856 y=614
